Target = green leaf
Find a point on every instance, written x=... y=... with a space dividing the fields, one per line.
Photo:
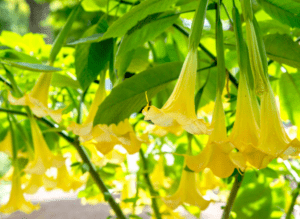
x=254 y=200
x=91 y=59
x=283 y=49
x=137 y=13
x=146 y=30
x=59 y=80
x=61 y=38
x=287 y=11
x=13 y=55
x=90 y=39
x=129 y=96
x=289 y=94
x=31 y=66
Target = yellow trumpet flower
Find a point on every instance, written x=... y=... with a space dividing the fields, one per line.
x=43 y=157
x=179 y=110
x=6 y=144
x=209 y=181
x=273 y=139
x=38 y=181
x=218 y=154
x=187 y=192
x=128 y=192
x=37 y=99
x=86 y=127
x=106 y=137
x=245 y=133
x=66 y=181
x=17 y=201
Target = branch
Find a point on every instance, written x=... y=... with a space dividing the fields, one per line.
x=153 y=193
x=237 y=184
x=207 y=52
x=6 y=82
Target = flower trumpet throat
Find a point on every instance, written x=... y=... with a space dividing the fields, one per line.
x=105 y=137
x=273 y=138
x=187 y=192
x=218 y=155
x=43 y=157
x=37 y=99
x=17 y=201
x=179 y=110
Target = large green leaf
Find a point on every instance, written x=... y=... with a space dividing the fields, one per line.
x=287 y=11
x=129 y=96
x=283 y=49
x=254 y=199
x=145 y=32
x=59 y=80
x=136 y=14
x=290 y=96
x=91 y=58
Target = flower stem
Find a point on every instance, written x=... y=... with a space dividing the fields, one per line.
x=237 y=184
x=294 y=199
x=153 y=193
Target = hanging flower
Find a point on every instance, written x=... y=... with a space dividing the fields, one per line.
x=128 y=192
x=245 y=133
x=187 y=192
x=86 y=127
x=218 y=154
x=38 y=181
x=209 y=181
x=6 y=144
x=37 y=99
x=66 y=181
x=17 y=201
x=158 y=177
x=43 y=157
x=179 y=110
x=273 y=139
x=106 y=137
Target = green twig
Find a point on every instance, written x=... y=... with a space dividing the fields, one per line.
x=207 y=52
x=153 y=193
x=237 y=184
x=5 y=82
x=295 y=192
x=294 y=199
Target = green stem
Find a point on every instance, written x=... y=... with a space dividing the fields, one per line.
x=5 y=82
x=85 y=159
x=294 y=199
x=153 y=193
x=208 y=53
x=80 y=106
x=237 y=184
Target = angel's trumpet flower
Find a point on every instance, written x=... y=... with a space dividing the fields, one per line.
x=37 y=99
x=105 y=137
x=43 y=157
x=209 y=181
x=179 y=110
x=6 y=144
x=17 y=201
x=187 y=192
x=66 y=181
x=218 y=154
x=38 y=181
x=86 y=127
x=273 y=139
